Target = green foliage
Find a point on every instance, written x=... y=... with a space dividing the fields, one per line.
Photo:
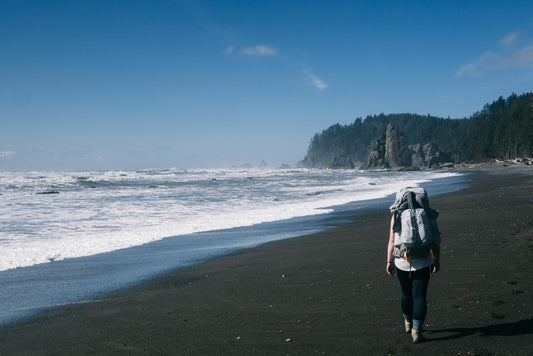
x=501 y=130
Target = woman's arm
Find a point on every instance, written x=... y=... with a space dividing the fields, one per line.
x=390 y=250
x=436 y=255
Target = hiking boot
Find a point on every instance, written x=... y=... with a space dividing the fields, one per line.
x=417 y=336
x=408 y=326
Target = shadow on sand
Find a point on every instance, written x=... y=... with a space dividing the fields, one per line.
x=522 y=327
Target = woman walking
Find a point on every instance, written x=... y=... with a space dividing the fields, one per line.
x=413 y=265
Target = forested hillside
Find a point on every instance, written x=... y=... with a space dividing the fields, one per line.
x=501 y=130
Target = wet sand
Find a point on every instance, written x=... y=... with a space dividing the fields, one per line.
x=326 y=293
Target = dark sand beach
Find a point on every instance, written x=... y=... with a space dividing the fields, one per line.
x=326 y=293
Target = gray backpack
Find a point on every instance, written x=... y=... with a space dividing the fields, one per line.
x=416 y=229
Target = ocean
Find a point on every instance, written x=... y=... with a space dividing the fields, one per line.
x=67 y=237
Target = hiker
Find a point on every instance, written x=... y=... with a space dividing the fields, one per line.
x=413 y=261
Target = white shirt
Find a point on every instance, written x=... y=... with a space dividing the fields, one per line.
x=413 y=264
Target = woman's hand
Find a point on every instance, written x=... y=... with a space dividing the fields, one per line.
x=390 y=249
x=435 y=267
x=390 y=268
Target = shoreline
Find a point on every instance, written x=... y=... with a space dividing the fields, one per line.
x=324 y=293
x=27 y=291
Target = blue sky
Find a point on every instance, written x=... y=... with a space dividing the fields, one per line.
x=199 y=84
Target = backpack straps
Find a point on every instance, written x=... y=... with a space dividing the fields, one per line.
x=410 y=200
x=411 y=203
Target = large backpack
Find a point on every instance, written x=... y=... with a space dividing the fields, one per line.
x=416 y=229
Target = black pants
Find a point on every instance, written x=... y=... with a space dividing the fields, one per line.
x=414 y=289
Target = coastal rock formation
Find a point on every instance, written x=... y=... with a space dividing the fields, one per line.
x=419 y=155
x=391 y=152
x=428 y=155
x=341 y=163
x=440 y=160
x=397 y=152
x=376 y=158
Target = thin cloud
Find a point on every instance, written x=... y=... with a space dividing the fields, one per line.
x=317 y=82
x=523 y=57
x=509 y=39
x=259 y=50
x=7 y=154
x=478 y=67
x=494 y=61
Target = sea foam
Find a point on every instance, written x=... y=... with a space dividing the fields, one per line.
x=96 y=212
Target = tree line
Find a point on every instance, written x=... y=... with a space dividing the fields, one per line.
x=501 y=130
